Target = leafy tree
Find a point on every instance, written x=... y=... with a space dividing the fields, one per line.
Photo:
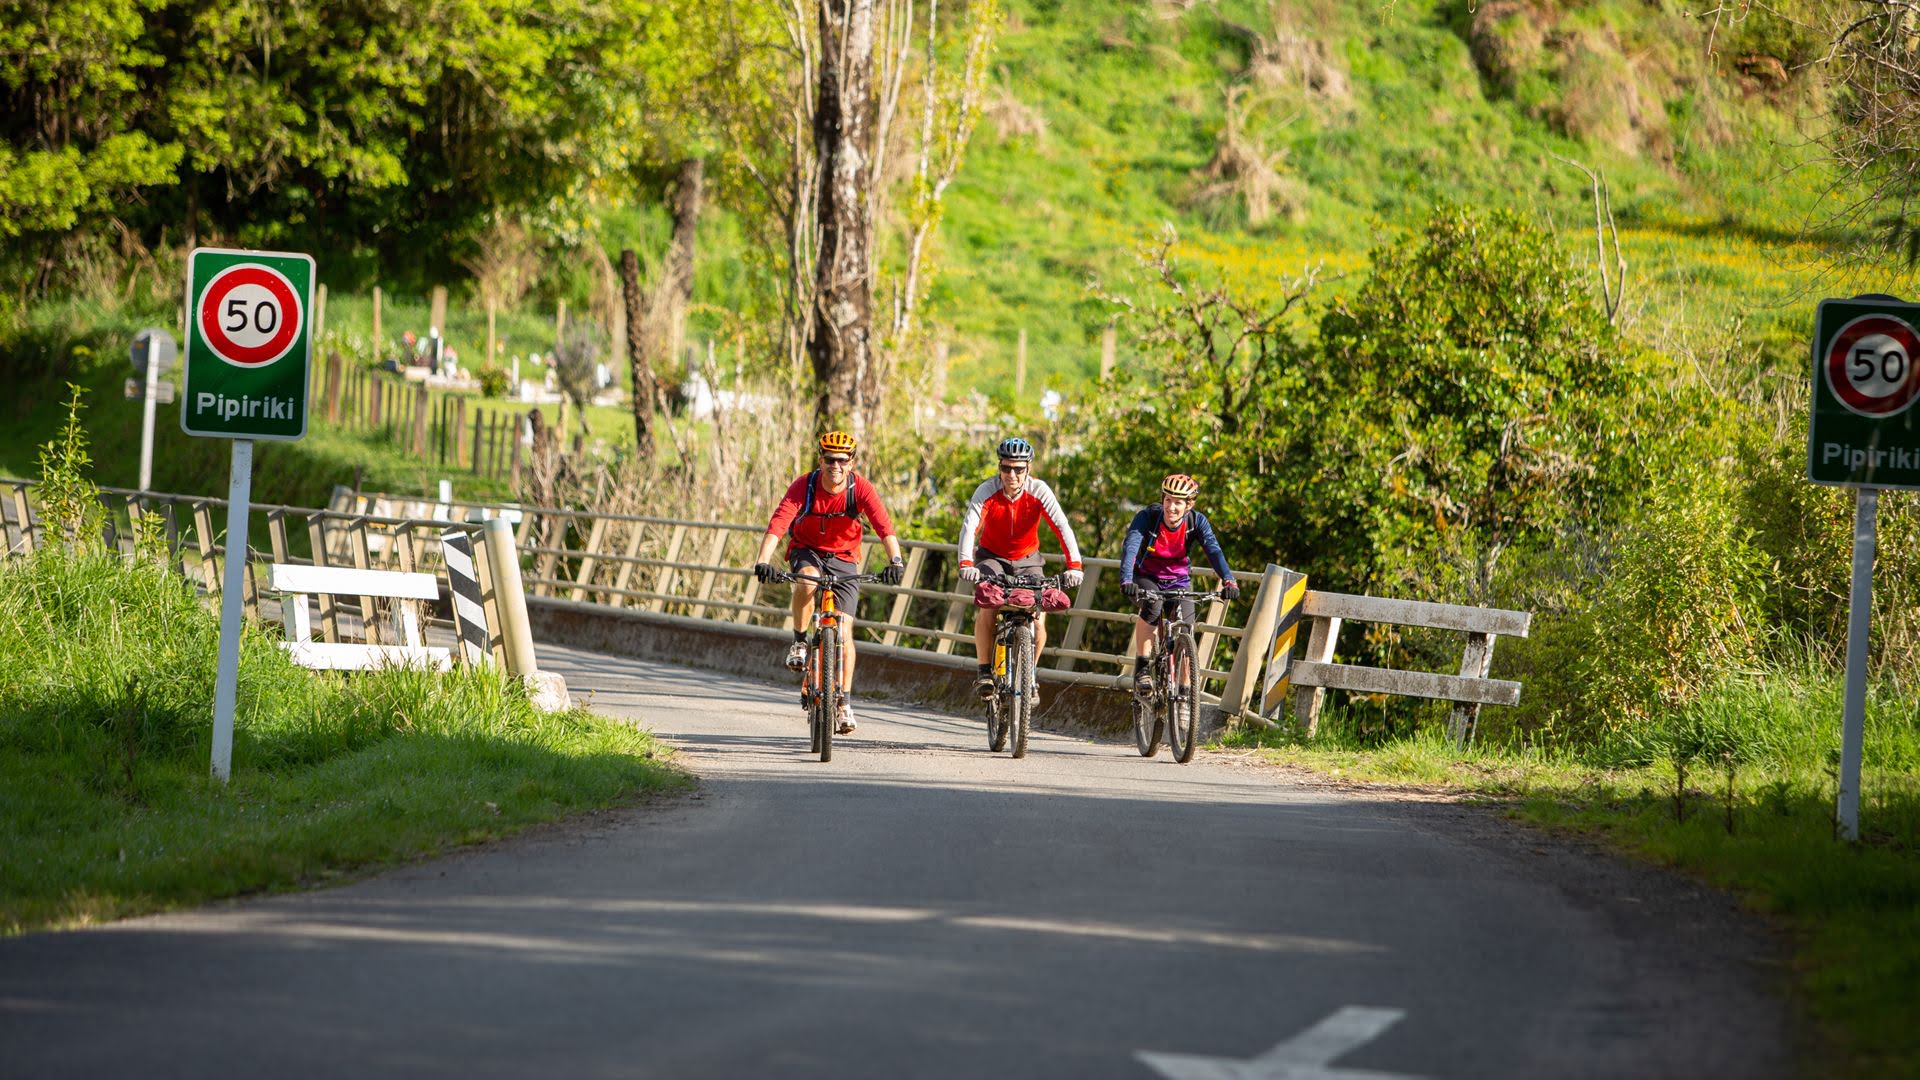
x=1470 y=395
x=71 y=75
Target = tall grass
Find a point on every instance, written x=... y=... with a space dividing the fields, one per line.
x=106 y=809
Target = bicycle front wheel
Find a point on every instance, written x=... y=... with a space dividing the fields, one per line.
x=1020 y=672
x=1183 y=698
x=829 y=690
x=999 y=712
x=810 y=694
x=1146 y=724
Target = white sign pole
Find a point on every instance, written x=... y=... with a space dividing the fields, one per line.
x=227 y=674
x=146 y=413
x=1859 y=607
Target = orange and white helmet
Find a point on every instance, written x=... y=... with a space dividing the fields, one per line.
x=1180 y=486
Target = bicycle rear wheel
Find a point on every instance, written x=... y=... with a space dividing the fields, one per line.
x=1020 y=671
x=1183 y=697
x=829 y=690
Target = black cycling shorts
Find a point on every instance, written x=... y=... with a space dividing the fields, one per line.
x=846 y=594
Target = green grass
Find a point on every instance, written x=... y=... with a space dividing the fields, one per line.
x=1854 y=909
x=106 y=808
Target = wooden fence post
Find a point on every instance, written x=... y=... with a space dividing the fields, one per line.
x=420 y=421
x=363 y=560
x=715 y=552
x=583 y=574
x=379 y=350
x=663 y=583
x=333 y=388
x=625 y=574
x=1307 y=700
x=1473 y=665
x=1077 y=624
x=459 y=431
x=909 y=578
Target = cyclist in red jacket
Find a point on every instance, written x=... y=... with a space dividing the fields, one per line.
x=1000 y=534
x=821 y=513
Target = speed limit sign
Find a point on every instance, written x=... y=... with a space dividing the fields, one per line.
x=1864 y=428
x=248 y=345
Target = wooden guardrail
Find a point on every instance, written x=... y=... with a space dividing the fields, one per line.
x=700 y=569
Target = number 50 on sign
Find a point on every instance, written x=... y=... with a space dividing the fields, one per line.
x=248 y=344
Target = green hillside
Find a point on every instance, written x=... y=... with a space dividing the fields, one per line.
x=1106 y=116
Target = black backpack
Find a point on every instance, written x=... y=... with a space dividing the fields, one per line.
x=851 y=509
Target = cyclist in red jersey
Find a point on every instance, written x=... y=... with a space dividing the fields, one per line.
x=1000 y=534
x=821 y=513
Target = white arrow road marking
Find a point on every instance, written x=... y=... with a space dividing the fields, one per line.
x=1303 y=1057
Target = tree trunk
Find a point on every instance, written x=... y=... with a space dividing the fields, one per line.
x=636 y=346
x=688 y=191
x=841 y=342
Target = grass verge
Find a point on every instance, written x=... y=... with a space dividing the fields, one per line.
x=1767 y=835
x=106 y=808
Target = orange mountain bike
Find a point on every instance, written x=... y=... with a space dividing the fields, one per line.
x=820 y=680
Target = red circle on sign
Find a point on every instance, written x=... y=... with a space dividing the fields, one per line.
x=1840 y=354
x=287 y=320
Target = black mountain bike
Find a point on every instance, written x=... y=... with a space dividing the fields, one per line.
x=1010 y=710
x=820 y=692
x=1174 y=704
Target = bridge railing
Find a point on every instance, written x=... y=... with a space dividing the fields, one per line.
x=702 y=569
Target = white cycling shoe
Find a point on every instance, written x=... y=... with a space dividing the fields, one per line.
x=797 y=656
x=846 y=725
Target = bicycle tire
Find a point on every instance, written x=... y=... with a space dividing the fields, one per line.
x=1183 y=697
x=1020 y=670
x=809 y=692
x=829 y=691
x=1147 y=725
x=997 y=710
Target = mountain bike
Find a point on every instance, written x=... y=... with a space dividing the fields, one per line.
x=820 y=692
x=1010 y=710
x=1174 y=703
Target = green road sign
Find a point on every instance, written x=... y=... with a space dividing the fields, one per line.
x=1863 y=428
x=248 y=345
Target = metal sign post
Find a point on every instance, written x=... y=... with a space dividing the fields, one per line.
x=249 y=357
x=153 y=351
x=1863 y=433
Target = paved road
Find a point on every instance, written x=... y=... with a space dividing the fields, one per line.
x=920 y=908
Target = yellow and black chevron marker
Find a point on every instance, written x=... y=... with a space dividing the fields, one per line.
x=1293 y=597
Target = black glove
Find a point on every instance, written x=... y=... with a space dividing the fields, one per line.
x=895 y=570
x=1130 y=590
x=763 y=571
x=1230 y=590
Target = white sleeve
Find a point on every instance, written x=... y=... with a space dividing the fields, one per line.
x=970 y=521
x=1058 y=519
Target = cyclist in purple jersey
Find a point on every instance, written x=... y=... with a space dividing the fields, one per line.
x=1158 y=557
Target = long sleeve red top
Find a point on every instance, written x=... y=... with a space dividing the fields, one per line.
x=827 y=527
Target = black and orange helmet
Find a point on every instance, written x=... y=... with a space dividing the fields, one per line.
x=1180 y=486
x=838 y=442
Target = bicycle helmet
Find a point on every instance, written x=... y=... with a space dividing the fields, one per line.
x=1016 y=449
x=838 y=442
x=1180 y=486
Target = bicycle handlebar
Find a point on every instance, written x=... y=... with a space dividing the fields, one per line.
x=822 y=581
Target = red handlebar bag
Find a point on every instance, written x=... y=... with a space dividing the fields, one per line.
x=987 y=594
x=1054 y=600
